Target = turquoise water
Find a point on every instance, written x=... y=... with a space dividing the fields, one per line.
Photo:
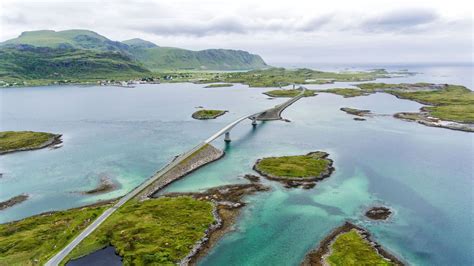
x=423 y=173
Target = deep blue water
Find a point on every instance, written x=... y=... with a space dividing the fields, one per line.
x=424 y=174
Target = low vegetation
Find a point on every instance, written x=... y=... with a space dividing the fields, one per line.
x=23 y=140
x=289 y=93
x=278 y=77
x=219 y=85
x=350 y=248
x=32 y=241
x=158 y=231
x=346 y=92
x=207 y=114
x=299 y=166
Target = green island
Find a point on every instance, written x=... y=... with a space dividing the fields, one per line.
x=12 y=141
x=289 y=93
x=298 y=170
x=219 y=85
x=157 y=231
x=349 y=245
x=207 y=114
x=35 y=239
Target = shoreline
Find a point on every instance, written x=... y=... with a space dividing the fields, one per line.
x=53 y=141
x=316 y=256
x=227 y=201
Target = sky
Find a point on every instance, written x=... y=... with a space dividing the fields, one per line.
x=292 y=32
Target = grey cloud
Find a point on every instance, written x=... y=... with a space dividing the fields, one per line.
x=17 y=19
x=232 y=25
x=193 y=28
x=408 y=20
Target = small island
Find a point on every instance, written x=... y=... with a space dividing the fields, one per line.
x=13 y=201
x=14 y=141
x=378 y=213
x=296 y=171
x=289 y=93
x=208 y=114
x=349 y=245
x=219 y=85
x=356 y=112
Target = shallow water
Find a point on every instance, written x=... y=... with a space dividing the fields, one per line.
x=423 y=173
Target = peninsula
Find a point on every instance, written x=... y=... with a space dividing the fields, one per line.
x=349 y=244
x=14 y=141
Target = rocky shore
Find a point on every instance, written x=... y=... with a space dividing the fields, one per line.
x=306 y=182
x=227 y=206
x=424 y=118
x=317 y=257
x=13 y=201
x=105 y=185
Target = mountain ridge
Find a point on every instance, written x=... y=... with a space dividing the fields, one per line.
x=142 y=52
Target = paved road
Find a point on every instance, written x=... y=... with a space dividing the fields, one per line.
x=94 y=225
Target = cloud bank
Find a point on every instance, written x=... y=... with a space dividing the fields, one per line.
x=295 y=31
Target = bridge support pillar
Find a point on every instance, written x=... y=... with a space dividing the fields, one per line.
x=254 y=121
x=227 y=137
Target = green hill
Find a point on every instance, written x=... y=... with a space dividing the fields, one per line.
x=29 y=63
x=165 y=58
x=77 y=39
x=84 y=54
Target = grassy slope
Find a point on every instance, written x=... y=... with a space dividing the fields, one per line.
x=351 y=249
x=77 y=39
x=11 y=140
x=157 y=231
x=166 y=58
x=207 y=114
x=54 y=64
x=299 y=166
x=34 y=240
x=289 y=93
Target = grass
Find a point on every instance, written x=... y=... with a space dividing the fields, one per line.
x=289 y=93
x=13 y=140
x=207 y=114
x=32 y=241
x=219 y=85
x=153 y=232
x=351 y=249
x=278 y=77
x=299 y=166
x=458 y=113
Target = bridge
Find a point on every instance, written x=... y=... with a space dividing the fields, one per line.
x=270 y=114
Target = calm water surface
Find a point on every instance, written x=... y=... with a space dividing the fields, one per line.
x=423 y=173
